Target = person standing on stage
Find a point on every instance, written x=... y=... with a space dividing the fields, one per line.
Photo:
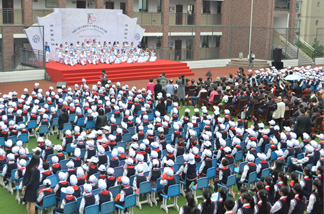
x=47 y=51
x=251 y=58
x=103 y=78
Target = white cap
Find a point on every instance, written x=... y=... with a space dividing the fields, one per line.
x=309 y=148
x=110 y=171
x=139 y=168
x=279 y=153
x=92 y=179
x=55 y=159
x=47 y=182
x=87 y=188
x=320 y=136
x=93 y=159
x=70 y=164
x=73 y=180
x=169 y=172
x=80 y=172
x=227 y=149
x=305 y=136
x=170 y=163
x=129 y=161
x=22 y=162
x=102 y=184
x=62 y=176
x=250 y=158
x=262 y=156
x=68 y=190
x=125 y=180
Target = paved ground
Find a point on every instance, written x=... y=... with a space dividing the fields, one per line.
x=44 y=84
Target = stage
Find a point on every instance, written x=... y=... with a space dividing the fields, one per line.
x=116 y=72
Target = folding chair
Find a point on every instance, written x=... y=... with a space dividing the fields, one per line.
x=155 y=190
x=118 y=171
x=201 y=184
x=11 y=181
x=13 y=138
x=173 y=191
x=54 y=124
x=144 y=188
x=32 y=125
x=238 y=156
x=127 y=137
x=264 y=173
x=239 y=170
x=48 y=201
x=43 y=129
x=54 y=180
x=252 y=179
x=70 y=208
x=24 y=138
x=114 y=190
x=71 y=118
x=211 y=174
x=130 y=202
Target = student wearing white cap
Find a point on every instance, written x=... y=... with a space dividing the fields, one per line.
x=92 y=166
x=129 y=169
x=21 y=170
x=248 y=168
x=47 y=190
x=262 y=165
x=111 y=179
x=62 y=183
x=320 y=162
x=88 y=198
x=206 y=164
x=74 y=184
x=55 y=165
x=300 y=164
x=69 y=197
x=11 y=165
x=104 y=194
x=126 y=191
x=139 y=177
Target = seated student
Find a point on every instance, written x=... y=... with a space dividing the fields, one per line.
x=206 y=164
x=80 y=176
x=281 y=206
x=21 y=170
x=55 y=165
x=88 y=198
x=92 y=167
x=126 y=191
x=300 y=164
x=207 y=206
x=47 y=172
x=238 y=202
x=315 y=204
x=139 y=177
x=111 y=179
x=263 y=206
x=48 y=150
x=262 y=165
x=190 y=206
x=248 y=168
x=297 y=204
x=224 y=172
x=47 y=190
x=74 y=184
x=69 y=197
x=60 y=153
x=62 y=183
x=129 y=169
x=155 y=173
x=320 y=162
x=167 y=180
x=104 y=194
x=9 y=166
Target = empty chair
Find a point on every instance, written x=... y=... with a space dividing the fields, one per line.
x=173 y=191
x=201 y=184
x=92 y=209
x=107 y=207
x=48 y=201
x=144 y=188
x=70 y=208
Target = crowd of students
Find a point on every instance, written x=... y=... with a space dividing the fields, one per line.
x=204 y=141
x=95 y=53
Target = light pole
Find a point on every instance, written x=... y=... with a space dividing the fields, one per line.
x=251 y=18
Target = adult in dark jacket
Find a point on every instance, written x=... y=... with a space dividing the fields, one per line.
x=302 y=124
x=157 y=88
x=31 y=184
x=161 y=107
x=101 y=119
x=63 y=118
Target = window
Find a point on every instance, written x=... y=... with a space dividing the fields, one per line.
x=159 y=6
x=316 y=22
x=123 y=6
x=158 y=42
x=51 y=4
x=219 y=7
x=206 y=6
x=218 y=41
x=205 y=42
x=143 y=5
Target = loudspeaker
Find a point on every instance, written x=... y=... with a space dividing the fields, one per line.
x=277 y=53
x=60 y=84
x=278 y=65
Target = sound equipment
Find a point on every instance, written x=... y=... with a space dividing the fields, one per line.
x=278 y=65
x=277 y=54
x=60 y=84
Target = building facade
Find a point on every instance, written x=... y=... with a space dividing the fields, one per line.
x=177 y=29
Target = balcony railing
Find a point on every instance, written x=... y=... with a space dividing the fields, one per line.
x=11 y=16
x=208 y=19
x=40 y=13
x=181 y=19
x=147 y=18
x=282 y=4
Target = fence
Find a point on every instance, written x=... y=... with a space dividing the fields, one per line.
x=220 y=42
x=11 y=16
x=319 y=43
x=16 y=55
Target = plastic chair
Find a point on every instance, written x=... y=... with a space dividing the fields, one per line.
x=48 y=201
x=131 y=130
x=71 y=118
x=127 y=137
x=54 y=180
x=118 y=120
x=300 y=156
x=267 y=146
x=79 y=201
x=80 y=122
x=2 y=142
x=13 y=138
x=23 y=137
x=107 y=207
x=173 y=191
x=11 y=180
x=114 y=190
x=264 y=173
x=95 y=191
x=54 y=124
x=201 y=184
x=239 y=170
x=83 y=151
x=63 y=164
x=211 y=174
x=176 y=167
x=230 y=183
x=179 y=159
x=238 y=156
x=43 y=129
x=168 y=137
x=232 y=167
x=122 y=144
x=69 y=149
x=288 y=163
x=70 y=208
x=144 y=188
x=150 y=116
x=155 y=190
x=49 y=158
x=273 y=157
x=91 y=209
x=118 y=171
x=252 y=179
x=130 y=201
x=131 y=180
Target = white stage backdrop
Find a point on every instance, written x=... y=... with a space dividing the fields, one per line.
x=72 y=25
x=35 y=38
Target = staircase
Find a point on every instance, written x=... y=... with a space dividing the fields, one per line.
x=291 y=51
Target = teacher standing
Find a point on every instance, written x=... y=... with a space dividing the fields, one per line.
x=181 y=92
x=31 y=184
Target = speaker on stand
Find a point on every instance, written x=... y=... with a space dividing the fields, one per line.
x=277 y=55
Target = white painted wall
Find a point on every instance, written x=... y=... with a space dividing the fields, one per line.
x=19 y=76
x=207 y=63
x=319 y=61
x=280 y=21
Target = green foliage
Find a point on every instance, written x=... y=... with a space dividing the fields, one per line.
x=319 y=49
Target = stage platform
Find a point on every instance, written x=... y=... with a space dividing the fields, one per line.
x=116 y=72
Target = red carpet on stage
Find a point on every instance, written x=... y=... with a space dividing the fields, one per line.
x=116 y=72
